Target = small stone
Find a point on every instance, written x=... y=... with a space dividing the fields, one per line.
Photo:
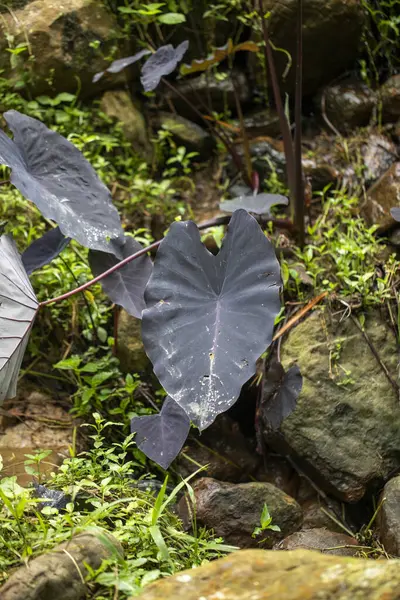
x=225 y=451
x=208 y=91
x=349 y=104
x=186 y=133
x=233 y=511
x=389 y=517
x=327 y=542
x=130 y=349
x=390 y=95
x=382 y=196
x=120 y=106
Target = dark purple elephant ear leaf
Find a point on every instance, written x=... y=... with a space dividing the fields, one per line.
x=280 y=393
x=121 y=63
x=48 y=170
x=259 y=204
x=395 y=212
x=18 y=308
x=161 y=63
x=43 y=250
x=208 y=318
x=125 y=286
x=161 y=437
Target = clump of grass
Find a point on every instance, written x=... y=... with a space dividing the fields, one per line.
x=343 y=253
x=103 y=488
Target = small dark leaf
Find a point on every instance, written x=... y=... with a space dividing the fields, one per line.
x=52 y=173
x=43 y=250
x=209 y=318
x=281 y=390
x=18 y=308
x=126 y=285
x=395 y=212
x=161 y=437
x=259 y=205
x=52 y=498
x=161 y=63
x=121 y=63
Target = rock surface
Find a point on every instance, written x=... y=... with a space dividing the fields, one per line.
x=188 y=134
x=349 y=104
x=390 y=94
x=327 y=542
x=382 y=196
x=225 y=451
x=130 y=349
x=31 y=430
x=119 y=105
x=61 y=40
x=61 y=573
x=389 y=517
x=345 y=437
x=334 y=27
x=298 y=575
x=234 y=510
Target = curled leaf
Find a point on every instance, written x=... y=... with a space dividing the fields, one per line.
x=280 y=393
x=161 y=437
x=161 y=63
x=125 y=286
x=43 y=250
x=209 y=318
x=51 y=172
x=18 y=308
x=219 y=54
x=259 y=204
x=120 y=64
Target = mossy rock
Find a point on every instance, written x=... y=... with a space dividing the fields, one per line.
x=345 y=430
x=66 y=43
x=293 y=575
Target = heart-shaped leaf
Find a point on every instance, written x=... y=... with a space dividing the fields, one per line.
x=161 y=63
x=43 y=250
x=259 y=204
x=18 y=308
x=280 y=393
x=395 y=212
x=161 y=437
x=219 y=54
x=125 y=286
x=120 y=64
x=208 y=318
x=48 y=170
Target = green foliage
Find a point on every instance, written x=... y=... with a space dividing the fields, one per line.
x=265 y=523
x=381 y=39
x=103 y=486
x=343 y=254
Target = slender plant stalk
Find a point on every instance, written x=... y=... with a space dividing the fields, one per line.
x=219 y=134
x=299 y=194
x=284 y=125
x=205 y=225
x=245 y=138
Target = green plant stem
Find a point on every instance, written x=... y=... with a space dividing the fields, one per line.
x=284 y=125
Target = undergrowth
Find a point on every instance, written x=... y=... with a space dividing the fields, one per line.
x=105 y=490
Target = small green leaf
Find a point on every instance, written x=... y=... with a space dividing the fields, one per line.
x=172 y=18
